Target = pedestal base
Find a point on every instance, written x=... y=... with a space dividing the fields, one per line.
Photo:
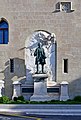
x=40 y=88
x=64 y=98
x=40 y=98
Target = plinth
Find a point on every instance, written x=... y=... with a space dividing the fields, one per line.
x=40 y=88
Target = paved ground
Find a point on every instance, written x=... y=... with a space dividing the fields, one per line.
x=12 y=118
x=60 y=117
x=37 y=117
x=40 y=112
x=42 y=109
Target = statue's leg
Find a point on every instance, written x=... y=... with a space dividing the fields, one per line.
x=37 y=68
x=42 y=68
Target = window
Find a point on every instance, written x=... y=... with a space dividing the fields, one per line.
x=11 y=65
x=58 y=6
x=65 y=65
x=64 y=6
x=3 y=32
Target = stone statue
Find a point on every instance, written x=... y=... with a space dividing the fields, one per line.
x=40 y=57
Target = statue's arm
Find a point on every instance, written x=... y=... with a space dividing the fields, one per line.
x=35 y=53
x=44 y=56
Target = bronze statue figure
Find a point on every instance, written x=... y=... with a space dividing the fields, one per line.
x=40 y=57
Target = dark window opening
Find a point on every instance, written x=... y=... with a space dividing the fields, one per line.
x=3 y=32
x=64 y=6
x=65 y=65
x=58 y=6
x=11 y=65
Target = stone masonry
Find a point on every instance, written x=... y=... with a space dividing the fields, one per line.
x=26 y=16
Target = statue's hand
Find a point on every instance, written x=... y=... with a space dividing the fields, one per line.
x=35 y=54
x=44 y=57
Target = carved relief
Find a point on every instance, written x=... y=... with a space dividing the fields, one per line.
x=47 y=41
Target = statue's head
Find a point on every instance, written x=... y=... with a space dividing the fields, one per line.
x=39 y=45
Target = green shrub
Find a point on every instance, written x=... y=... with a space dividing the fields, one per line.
x=15 y=98
x=21 y=98
x=43 y=102
x=12 y=102
x=28 y=102
x=19 y=101
x=1 y=100
x=4 y=99
x=77 y=98
x=69 y=100
x=33 y=102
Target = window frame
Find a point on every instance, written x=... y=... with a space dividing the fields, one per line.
x=12 y=66
x=65 y=66
x=5 y=30
x=59 y=6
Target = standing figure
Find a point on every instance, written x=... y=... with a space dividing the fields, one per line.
x=40 y=57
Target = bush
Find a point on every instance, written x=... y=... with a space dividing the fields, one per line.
x=15 y=98
x=1 y=100
x=21 y=98
x=77 y=98
x=28 y=102
x=12 y=102
x=42 y=102
x=4 y=99
x=33 y=102
x=19 y=102
x=69 y=100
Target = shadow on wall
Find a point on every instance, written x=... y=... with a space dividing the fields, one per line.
x=18 y=74
x=75 y=88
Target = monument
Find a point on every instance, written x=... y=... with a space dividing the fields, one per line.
x=40 y=63
x=40 y=77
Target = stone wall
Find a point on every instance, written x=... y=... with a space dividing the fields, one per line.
x=26 y=16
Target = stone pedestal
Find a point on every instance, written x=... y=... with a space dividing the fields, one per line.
x=64 y=91
x=16 y=89
x=40 y=88
x=1 y=88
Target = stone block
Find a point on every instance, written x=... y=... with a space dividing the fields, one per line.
x=64 y=91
